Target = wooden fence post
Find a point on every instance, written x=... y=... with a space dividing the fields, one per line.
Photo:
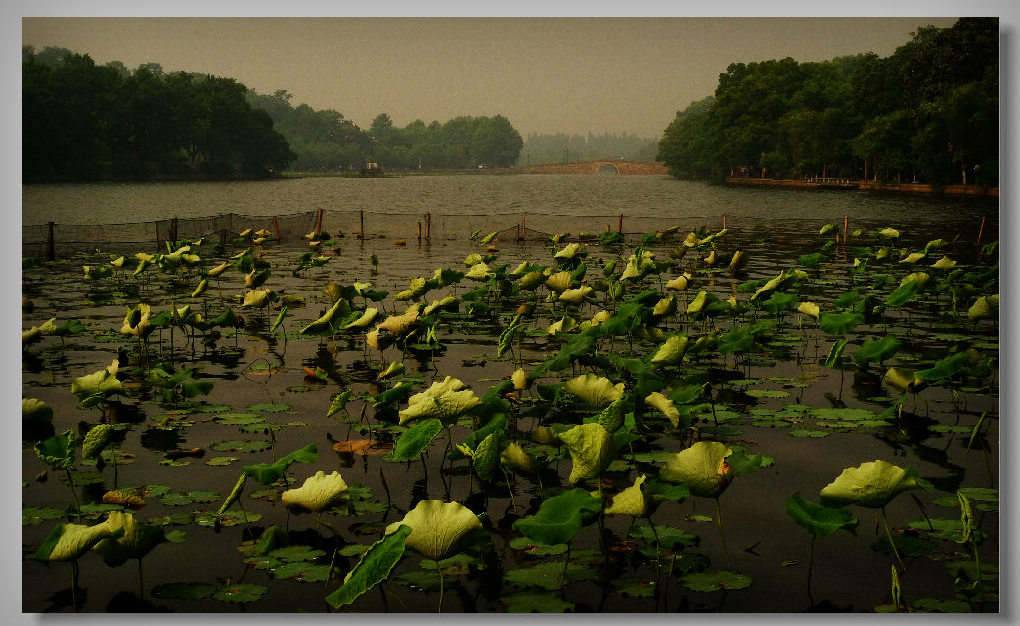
x=619 y=226
x=362 y=235
x=50 y=250
x=276 y=227
x=428 y=227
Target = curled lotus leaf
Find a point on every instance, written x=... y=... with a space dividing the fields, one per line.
x=590 y=450
x=918 y=277
x=397 y=324
x=631 y=501
x=448 y=302
x=104 y=381
x=679 y=283
x=520 y=460
x=325 y=320
x=595 y=390
x=33 y=409
x=136 y=321
x=532 y=279
x=437 y=527
x=366 y=318
x=559 y=281
x=809 y=308
x=665 y=306
x=564 y=324
x=664 y=404
x=95 y=440
x=984 y=306
x=871 y=485
x=913 y=257
x=944 y=263
x=68 y=542
x=136 y=541
x=702 y=467
x=889 y=233
x=569 y=251
x=444 y=400
x=479 y=271
x=520 y=379
x=671 y=352
x=573 y=296
x=319 y=492
x=904 y=380
x=256 y=299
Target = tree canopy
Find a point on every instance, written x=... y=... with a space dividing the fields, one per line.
x=928 y=112
x=81 y=121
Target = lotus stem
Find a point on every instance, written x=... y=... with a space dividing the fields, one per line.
x=440 y=608
x=74 y=494
x=566 y=562
x=888 y=533
x=722 y=533
x=980 y=578
x=810 y=568
x=74 y=585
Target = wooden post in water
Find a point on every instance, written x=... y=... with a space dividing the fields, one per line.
x=276 y=227
x=980 y=231
x=428 y=227
x=362 y=235
x=318 y=222
x=50 y=250
x=724 y=221
x=419 y=232
x=619 y=226
x=173 y=230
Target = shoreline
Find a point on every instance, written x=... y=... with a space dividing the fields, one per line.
x=867 y=185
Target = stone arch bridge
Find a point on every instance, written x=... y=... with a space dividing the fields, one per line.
x=597 y=167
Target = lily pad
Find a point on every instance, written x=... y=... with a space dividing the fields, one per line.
x=715 y=581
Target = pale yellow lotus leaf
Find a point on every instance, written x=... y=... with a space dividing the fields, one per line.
x=256 y=299
x=589 y=448
x=396 y=324
x=437 y=527
x=671 y=352
x=518 y=459
x=77 y=539
x=219 y=269
x=809 y=308
x=559 y=282
x=664 y=404
x=573 y=296
x=595 y=390
x=944 y=263
x=520 y=379
x=679 y=283
x=319 y=492
x=444 y=400
x=630 y=501
x=702 y=467
x=366 y=318
x=871 y=485
x=665 y=306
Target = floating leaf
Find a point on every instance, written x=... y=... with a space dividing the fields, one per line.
x=559 y=518
x=240 y=593
x=715 y=581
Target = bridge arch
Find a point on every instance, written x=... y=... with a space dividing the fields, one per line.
x=607 y=168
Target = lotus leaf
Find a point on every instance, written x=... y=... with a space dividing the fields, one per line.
x=325 y=322
x=984 y=306
x=479 y=272
x=947 y=367
x=679 y=283
x=520 y=379
x=819 y=520
x=904 y=380
x=631 y=501
x=811 y=260
x=532 y=279
x=68 y=542
x=136 y=541
x=839 y=323
x=449 y=302
x=918 y=277
x=397 y=324
x=104 y=381
x=889 y=233
x=666 y=306
x=569 y=251
x=372 y=568
x=590 y=450
x=779 y=302
x=559 y=281
x=256 y=298
x=395 y=368
x=437 y=527
x=564 y=324
x=613 y=416
x=95 y=440
x=871 y=485
x=671 y=352
x=559 y=518
x=319 y=492
x=594 y=390
x=573 y=296
x=366 y=318
x=444 y=400
x=913 y=257
x=520 y=460
x=877 y=350
x=662 y=403
x=736 y=340
x=702 y=467
x=944 y=263
x=33 y=409
x=58 y=450
x=698 y=303
x=828 y=228
x=714 y=581
x=136 y=321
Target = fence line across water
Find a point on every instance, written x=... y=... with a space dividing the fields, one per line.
x=47 y=240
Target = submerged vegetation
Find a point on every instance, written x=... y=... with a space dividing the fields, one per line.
x=533 y=429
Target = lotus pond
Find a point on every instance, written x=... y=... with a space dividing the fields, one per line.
x=690 y=421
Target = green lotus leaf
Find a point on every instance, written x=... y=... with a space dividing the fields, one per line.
x=57 y=451
x=715 y=581
x=444 y=400
x=613 y=416
x=839 y=323
x=702 y=467
x=319 y=492
x=877 y=350
x=595 y=390
x=520 y=460
x=918 y=277
x=104 y=381
x=559 y=518
x=68 y=542
x=913 y=257
x=95 y=440
x=811 y=260
x=779 y=302
x=871 y=485
x=828 y=228
x=904 y=380
x=268 y=473
x=698 y=303
x=532 y=279
x=590 y=450
x=889 y=233
x=984 y=306
x=33 y=409
x=631 y=501
x=658 y=401
x=485 y=458
x=946 y=368
x=397 y=324
x=559 y=281
x=819 y=520
x=671 y=352
x=569 y=251
x=324 y=323
x=437 y=527
x=736 y=340
x=904 y=293
x=136 y=541
x=413 y=441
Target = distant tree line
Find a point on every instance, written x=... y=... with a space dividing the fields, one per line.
x=81 y=121
x=325 y=141
x=541 y=149
x=929 y=113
